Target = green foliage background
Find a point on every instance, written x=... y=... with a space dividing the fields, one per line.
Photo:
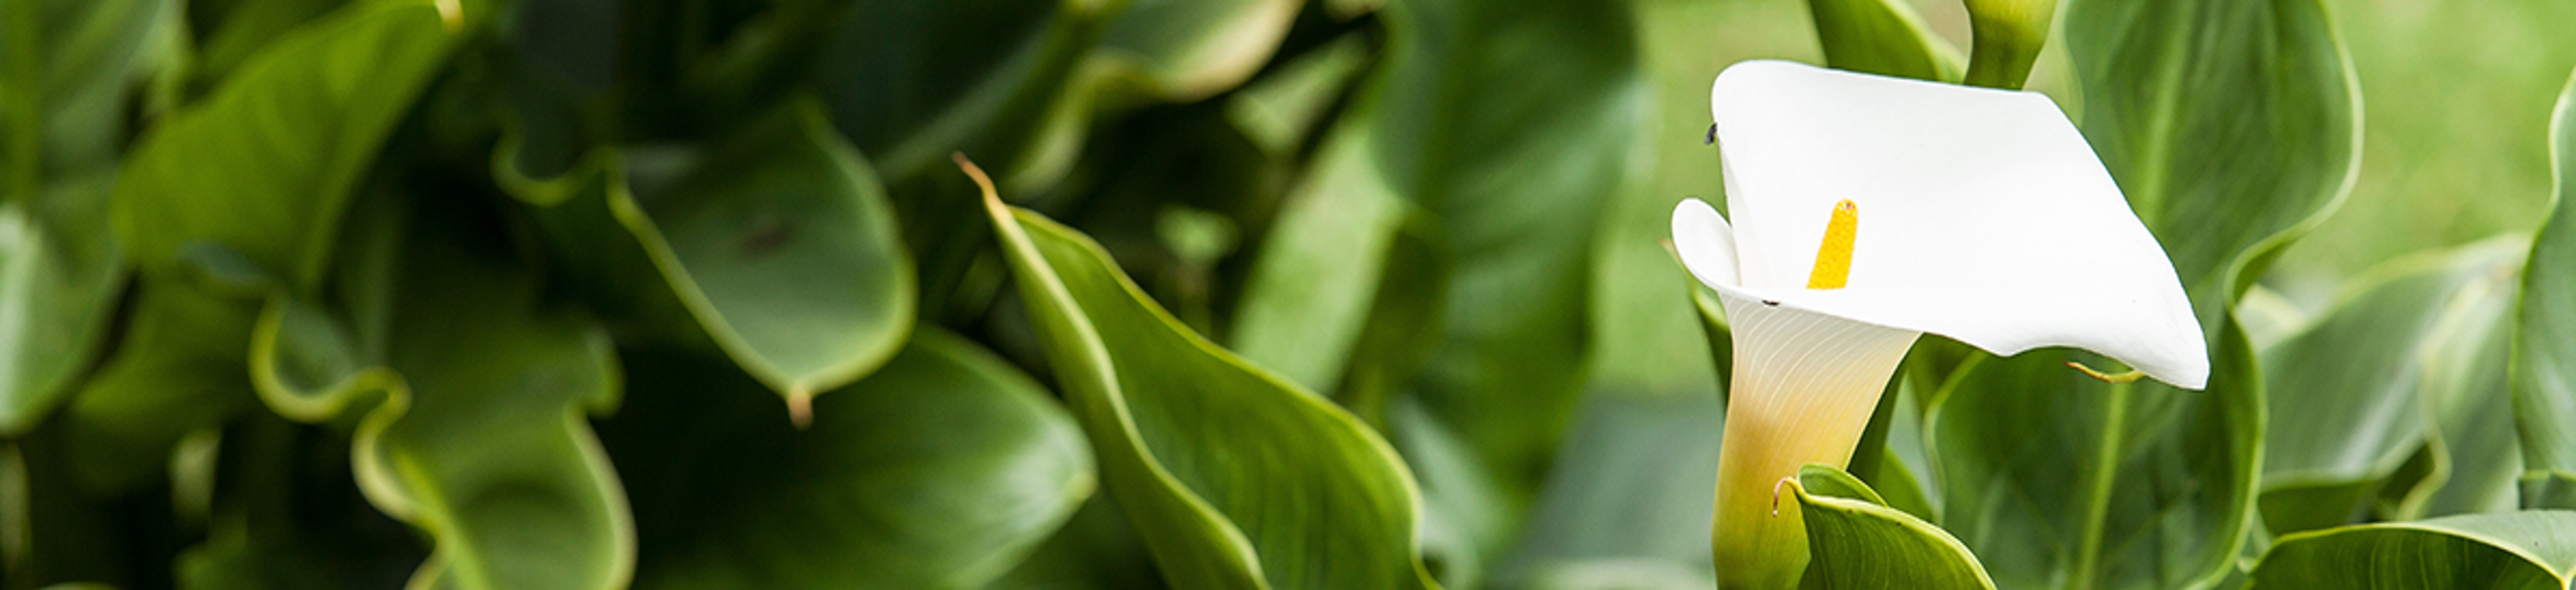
x=1263 y=294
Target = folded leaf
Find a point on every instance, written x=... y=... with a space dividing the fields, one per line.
x=2365 y=385
x=2544 y=357
x=1234 y=477
x=782 y=245
x=471 y=403
x=1856 y=541
x=2533 y=550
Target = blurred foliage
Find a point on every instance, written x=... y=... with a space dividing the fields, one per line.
x=1267 y=294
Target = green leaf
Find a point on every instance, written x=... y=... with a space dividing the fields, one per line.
x=1883 y=37
x=1515 y=154
x=1313 y=280
x=179 y=369
x=1222 y=467
x=2544 y=358
x=782 y=245
x=2008 y=35
x=469 y=400
x=1856 y=541
x=2533 y=550
x=940 y=470
x=913 y=80
x=2232 y=128
x=2369 y=379
x=267 y=162
x=1631 y=485
x=1185 y=50
x=59 y=274
x=64 y=66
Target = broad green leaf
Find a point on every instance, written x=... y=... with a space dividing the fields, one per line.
x=1313 y=280
x=1858 y=542
x=940 y=470
x=2231 y=126
x=2534 y=550
x=779 y=240
x=1514 y=151
x=1185 y=50
x=2544 y=357
x=64 y=65
x=2367 y=380
x=1222 y=467
x=267 y=162
x=59 y=277
x=470 y=401
x=1883 y=37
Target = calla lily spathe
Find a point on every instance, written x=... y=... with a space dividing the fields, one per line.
x=1870 y=210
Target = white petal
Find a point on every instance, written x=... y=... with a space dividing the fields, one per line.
x=1983 y=216
x=1706 y=245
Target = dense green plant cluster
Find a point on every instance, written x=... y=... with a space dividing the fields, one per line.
x=1150 y=293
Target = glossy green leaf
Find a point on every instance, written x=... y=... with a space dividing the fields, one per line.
x=939 y=471
x=267 y=162
x=2366 y=380
x=782 y=245
x=1883 y=37
x=1514 y=151
x=2232 y=128
x=2544 y=358
x=59 y=275
x=1856 y=541
x=1223 y=468
x=2533 y=550
x=470 y=400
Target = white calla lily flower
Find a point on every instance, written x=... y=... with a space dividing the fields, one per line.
x=1870 y=210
